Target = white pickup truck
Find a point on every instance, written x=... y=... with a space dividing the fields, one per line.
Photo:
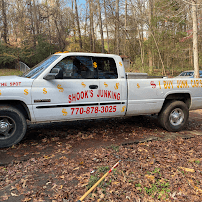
x=75 y=86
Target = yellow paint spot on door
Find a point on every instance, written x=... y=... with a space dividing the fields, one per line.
x=123 y=108
x=83 y=84
x=64 y=112
x=26 y=92
x=60 y=88
x=116 y=86
x=44 y=91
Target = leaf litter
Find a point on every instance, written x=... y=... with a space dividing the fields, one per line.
x=63 y=167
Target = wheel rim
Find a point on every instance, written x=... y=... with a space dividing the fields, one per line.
x=176 y=116
x=7 y=127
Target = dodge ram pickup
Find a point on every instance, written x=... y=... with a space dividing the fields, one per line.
x=76 y=86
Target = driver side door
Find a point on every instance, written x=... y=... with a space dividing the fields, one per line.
x=70 y=96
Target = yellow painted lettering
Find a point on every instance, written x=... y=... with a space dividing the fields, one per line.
x=201 y=83
x=178 y=83
x=196 y=83
x=116 y=86
x=171 y=84
x=105 y=84
x=165 y=84
x=44 y=91
x=83 y=84
x=159 y=85
x=64 y=112
x=123 y=109
x=192 y=83
x=168 y=84
x=60 y=88
x=186 y=84
x=26 y=92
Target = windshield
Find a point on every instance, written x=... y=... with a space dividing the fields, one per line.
x=39 y=68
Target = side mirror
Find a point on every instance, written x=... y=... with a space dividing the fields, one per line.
x=52 y=75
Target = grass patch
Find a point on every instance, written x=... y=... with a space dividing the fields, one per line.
x=155 y=186
x=197 y=162
x=9 y=72
x=99 y=173
x=114 y=147
x=103 y=169
x=159 y=188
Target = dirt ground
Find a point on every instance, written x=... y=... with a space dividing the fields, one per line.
x=61 y=161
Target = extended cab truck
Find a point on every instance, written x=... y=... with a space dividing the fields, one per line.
x=75 y=86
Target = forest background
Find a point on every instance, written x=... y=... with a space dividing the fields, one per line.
x=156 y=35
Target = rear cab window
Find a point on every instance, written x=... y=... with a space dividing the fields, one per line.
x=106 y=67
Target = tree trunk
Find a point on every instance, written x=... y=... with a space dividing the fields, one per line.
x=117 y=27
x=5 y=25
x=195 y=39
x=100 y=24
x=106 y=27
x=78 y=25
x=163 y=68
x=149 y=35
x=32 y=23
x=73 y=22
x=49 y=27
x=126 y=3
x=140 y=41
x=86 y=19
x=35 y=17
x=92 y=40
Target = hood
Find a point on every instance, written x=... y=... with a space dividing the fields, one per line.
x=7 y=81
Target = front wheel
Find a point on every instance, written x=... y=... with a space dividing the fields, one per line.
x=12 y=126
x=174 y=116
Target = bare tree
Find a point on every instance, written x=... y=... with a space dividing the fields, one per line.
x=100 y=24
x=92 y=35
x=195 y=39
x=149 y=34
x=5 y=25
x=35 y=11
x=117 y=27
x=78 y=24
x=106 y=25
x=126 y=4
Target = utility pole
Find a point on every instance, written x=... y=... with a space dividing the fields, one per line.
x=195 y=39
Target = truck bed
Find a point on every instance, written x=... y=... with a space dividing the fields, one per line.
x=130 y=75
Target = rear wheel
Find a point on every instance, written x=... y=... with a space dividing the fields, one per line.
x=12 y=126
x=174 y=116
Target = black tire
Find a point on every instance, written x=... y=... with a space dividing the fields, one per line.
x=13 y=126
x=174 y=116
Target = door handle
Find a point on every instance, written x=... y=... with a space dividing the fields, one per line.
x=93 y=86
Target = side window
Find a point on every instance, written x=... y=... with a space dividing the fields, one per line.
x=106 y=67
x=77 y=67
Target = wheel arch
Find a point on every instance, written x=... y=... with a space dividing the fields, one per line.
x=18 y=104
x=184 y=97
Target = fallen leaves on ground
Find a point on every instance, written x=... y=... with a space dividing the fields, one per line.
x=169 y=170
x=170 y=176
